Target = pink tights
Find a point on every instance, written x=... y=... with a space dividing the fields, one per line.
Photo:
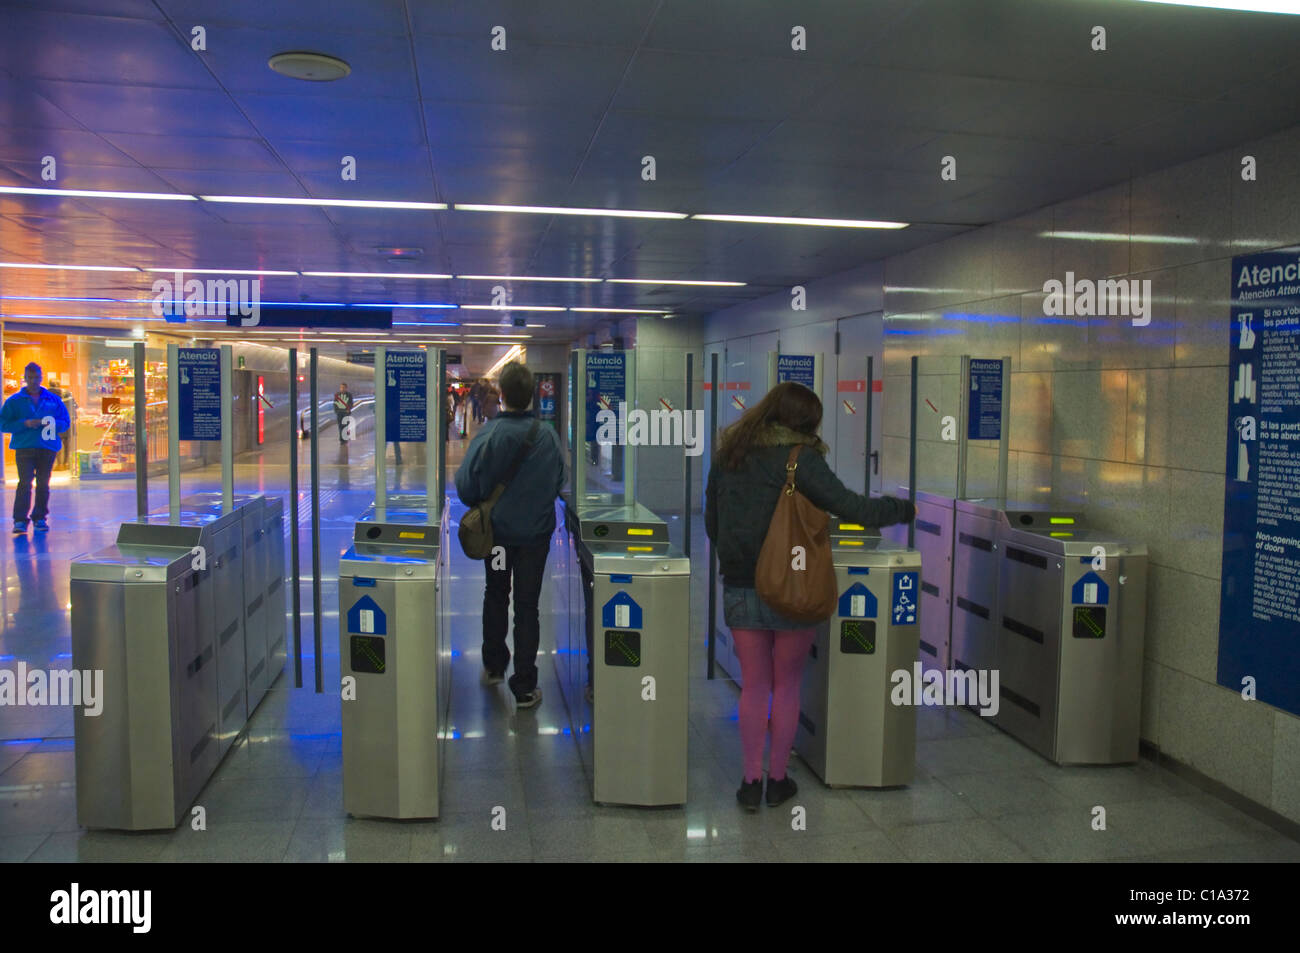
x=771 y=665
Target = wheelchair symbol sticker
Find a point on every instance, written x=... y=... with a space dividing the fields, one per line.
x=903 y=611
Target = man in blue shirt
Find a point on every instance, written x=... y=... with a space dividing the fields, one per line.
x=522 y=523
x=35 y=417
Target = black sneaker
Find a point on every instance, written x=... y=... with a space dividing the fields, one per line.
x=529 y=699
x=750 y=793
x=20 y=526
x=778 y=792
x=492 y=678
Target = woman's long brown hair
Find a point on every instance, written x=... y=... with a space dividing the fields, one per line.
x=789 y=404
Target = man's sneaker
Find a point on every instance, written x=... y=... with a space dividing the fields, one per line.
x=529 y=700
x=492 y=678
x=778 y=792
x=41 y=526
x=750 y=793
x=20 y=526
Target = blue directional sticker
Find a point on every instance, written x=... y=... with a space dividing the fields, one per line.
x=858 y=602
x=621 y=612
x=1090 y=590
x=906 y=586
x=365 y=617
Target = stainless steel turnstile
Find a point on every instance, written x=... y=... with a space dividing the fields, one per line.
x=202 y=702
x=629 y=611
x=1071 y=610
x=143 y=615
x=393 y=654
x=850 y=731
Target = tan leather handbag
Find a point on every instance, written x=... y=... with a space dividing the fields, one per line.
x=798 y=583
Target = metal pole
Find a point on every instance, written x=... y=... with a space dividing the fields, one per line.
x=911 y=453
x=580 y=448
x=629 y=453
x=141 y=448
x=315 y=522
x=963 y=418
x=1004 y=428
x=443 y=423
x=173 y=434
x=713 y=554
x=686 y=457
x=227 y=433
x=871 y=385
x=293 y=517
x=381 y=432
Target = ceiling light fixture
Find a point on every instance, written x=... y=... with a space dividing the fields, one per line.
x=1241 y=6
x=96 y=194
x=315 y=67
x=512 y=307
x=619 y=310
x=342 y=203
x=521 y=278
x=225 y=271
x=373 y=274
x=785 y=220
x=19 y=264
x=672 y=281
x=556 y=210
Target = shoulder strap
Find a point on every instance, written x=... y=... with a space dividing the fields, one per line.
x=791 y=464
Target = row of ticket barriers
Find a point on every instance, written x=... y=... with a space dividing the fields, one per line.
x=1038 y=620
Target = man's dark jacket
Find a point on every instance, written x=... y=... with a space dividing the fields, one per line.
x=740 y=503
x=526 y=511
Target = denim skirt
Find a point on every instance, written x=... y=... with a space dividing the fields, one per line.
x=743 y=609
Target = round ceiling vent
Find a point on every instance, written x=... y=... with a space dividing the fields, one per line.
x=316 y=67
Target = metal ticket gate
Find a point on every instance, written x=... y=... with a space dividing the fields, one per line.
x=393 y=651
x=1071 y=613
x=143 y=615
x=850 y=732
x=634 y=631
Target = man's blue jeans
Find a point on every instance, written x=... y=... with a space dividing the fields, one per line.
x=33 y=462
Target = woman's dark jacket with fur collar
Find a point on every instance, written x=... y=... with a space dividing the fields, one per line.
x=740 y=502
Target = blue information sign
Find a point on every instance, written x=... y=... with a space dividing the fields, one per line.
x=984 y=414
x=404 y=397
x=907 y=592
x=798 y=368
x=199 y=390
x=606 y=385
x=1259 y=607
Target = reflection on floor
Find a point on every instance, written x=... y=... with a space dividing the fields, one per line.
x=978 y=796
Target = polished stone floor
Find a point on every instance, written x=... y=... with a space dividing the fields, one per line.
x=978 y=794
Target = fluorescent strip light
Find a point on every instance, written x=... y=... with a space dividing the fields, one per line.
x=345 y=203
x=554 y=210
x=671 y=281
x=783 y=220
x=92 y=194
x=1244 y=6
x=520 y=278
x=223 y=271
x=512 y=307
x=619 y=310
x=1122 y=237
x=398 y=304
x=119 y=342
x=372 y=274
x=17 y=264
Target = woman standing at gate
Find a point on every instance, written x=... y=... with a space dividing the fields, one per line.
x=745 y=480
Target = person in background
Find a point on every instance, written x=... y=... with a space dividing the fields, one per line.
x=35 y=417
x=522 y=523
x=491 y=402
x=745 y=481
x=342 y=407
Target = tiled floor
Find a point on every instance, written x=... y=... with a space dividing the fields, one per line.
x=978 y=795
